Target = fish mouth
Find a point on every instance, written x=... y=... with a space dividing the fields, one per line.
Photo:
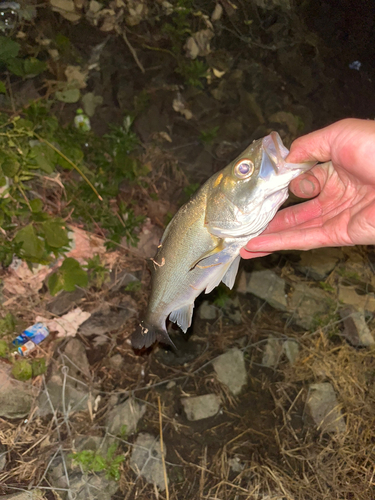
x=273 y=160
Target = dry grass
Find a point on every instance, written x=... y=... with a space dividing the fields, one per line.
x=277 y=453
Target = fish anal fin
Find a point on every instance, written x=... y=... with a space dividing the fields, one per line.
x=145 y=335
x=219 y=248
x=182 y=316
x=230 y=276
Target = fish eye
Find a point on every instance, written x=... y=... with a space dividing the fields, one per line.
x=243 y=169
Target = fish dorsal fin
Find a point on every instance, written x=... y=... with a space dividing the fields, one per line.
x=182 y=316
x=230 y=275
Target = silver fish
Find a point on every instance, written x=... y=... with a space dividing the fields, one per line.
x=200 y=246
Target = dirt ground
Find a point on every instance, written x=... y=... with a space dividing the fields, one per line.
x=284 y=69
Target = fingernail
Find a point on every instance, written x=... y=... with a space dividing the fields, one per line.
x=307 y=187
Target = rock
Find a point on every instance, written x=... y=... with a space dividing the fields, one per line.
x=74 y=394
x=82 y=486
x=97 y=444
x=146 y=460
x=291 y=349
x=3 y=457
x=207 y=311
x=200 y=407
x=107 y=319
x=241 y=281
x=75 y=397
x=25 y=495
x=65 y=301
x=148 y=240
x=125 y=417
x=272 y=352
x=268 y=286
x=116 y=361
x=323 y=407
x=185 y=352
x=122 y=279
x=15 y=397
x=75 y=358
x=348 y=295
x=307 y=304
x=356 y=330
x=231 y=370
x=231 y=309
x=317 y=264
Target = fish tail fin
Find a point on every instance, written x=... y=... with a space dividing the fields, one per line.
x=146 y=334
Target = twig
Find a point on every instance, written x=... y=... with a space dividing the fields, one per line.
x=162 y=450
x=132 y=51
x=10 y=93
x=64 y=371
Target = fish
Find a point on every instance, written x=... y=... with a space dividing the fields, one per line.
x=200 y=246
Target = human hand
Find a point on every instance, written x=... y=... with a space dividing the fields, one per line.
x=342 y=212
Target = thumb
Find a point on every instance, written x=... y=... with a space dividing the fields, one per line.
x=305 y=186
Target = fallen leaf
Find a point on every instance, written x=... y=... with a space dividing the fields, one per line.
x=21 y=281
x=76 y=75
x=90 y=101
x=180 y=107
x=84 y=245
x=218 y=73
x=69 y=96
x=165 y=136
x=95 y=6
x=217 y=13
x=137 y=12
x=66 y=9
x=107 y=19
x=199 y=44
x=67 y=325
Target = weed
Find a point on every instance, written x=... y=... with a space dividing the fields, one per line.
x=69 y=274
x=133 y=286
x=22 y=370
x=326 y=286
x=222 y=294
x=92 y=461
x=7 y=324
x=328 y=321
x=38 y=367
x=191 y=189
x=123 y=431
x=28 y=154
x=178 y=30
x=98 y=274
x=9 y=59
x=350 y=275
x=209 y=135
x=4 y=349
x=193 y=72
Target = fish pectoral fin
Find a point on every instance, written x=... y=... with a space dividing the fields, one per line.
x=230 y=276
x=225 y=273
x=145 y=335
x=183 y=316
x=219 y=248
